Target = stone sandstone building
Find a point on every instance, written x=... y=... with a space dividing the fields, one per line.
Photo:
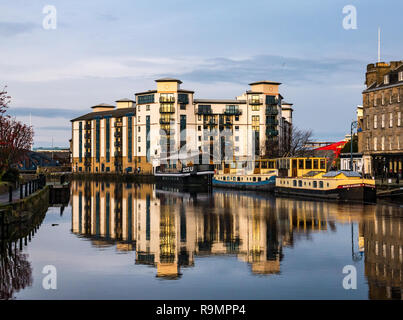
x=381 y=139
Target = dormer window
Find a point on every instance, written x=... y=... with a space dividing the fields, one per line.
x=401 y=76
x=386 y=79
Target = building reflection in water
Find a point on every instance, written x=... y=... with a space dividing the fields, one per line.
x=168 y=229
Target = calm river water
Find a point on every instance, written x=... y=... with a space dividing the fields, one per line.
x=127 y=241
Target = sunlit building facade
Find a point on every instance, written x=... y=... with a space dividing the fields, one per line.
x=161 y=124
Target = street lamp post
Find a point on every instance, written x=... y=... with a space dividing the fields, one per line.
x=354 y=125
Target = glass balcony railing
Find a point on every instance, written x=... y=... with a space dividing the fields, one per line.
x=273 y=122
x=167 y=109
x=234 y=112
x=272 y=110
x=255 y=101
x=164 y=99
x=271 y=132
x=166 y=120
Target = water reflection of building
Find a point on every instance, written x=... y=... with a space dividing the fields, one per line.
x=383 y=249
x=167 y=230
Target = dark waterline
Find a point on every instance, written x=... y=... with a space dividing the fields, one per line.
x=125 y=241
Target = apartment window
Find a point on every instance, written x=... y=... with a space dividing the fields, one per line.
x=147 y=107
x=139 y=149
x=255 y=108
x=138 y=118
x=255 y=123
x=183 y=106
x=383 y=143
x=375 y=143
x=383 y=121
x=199 y=138
x=139 y=139
x=236 y=118
x=139 y=129
x=236 y=128
x=368 y=142
x=183 y=98
x=237 y=138
x=236 y=149
x=138 y=108
x=390 y=142
x=386 y=79
x=375 y=121
x=368 y=122
x=149 y=98
x=199 y=118
x=375 y=100
x=383 y=98
x=390 y=96
x=401 y=76
x=399 y=118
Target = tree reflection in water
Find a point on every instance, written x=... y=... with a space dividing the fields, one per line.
x=15 y=271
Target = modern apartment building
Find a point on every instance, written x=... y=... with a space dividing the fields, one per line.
x=381 y=139
x=167 y=124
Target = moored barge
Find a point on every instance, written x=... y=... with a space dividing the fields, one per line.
x=193 y=176
x=333 y=185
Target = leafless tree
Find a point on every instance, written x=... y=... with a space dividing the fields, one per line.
x=298 y=143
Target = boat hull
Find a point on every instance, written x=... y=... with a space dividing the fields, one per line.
x=267 y=185
x=361 y=193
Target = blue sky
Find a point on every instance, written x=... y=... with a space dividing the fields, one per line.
x=105 y=50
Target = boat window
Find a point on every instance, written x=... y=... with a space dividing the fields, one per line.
x=254 y=178
x=315 y=184
x=328 y=184
x=320 y=184
x=308 y=164
x=299 y=183
x=259 y=179
x=239 y=179
x=264 y=165
x=294 y=163
x=301 y=164
x=322 y=164
x=294 y=183
x=315 y=164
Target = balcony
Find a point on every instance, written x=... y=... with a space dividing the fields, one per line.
x=118 y=124
x=272 y=122
x=204 y=110
x=167 y=109
x=166 y=120
x=118 y=134
x=87 y=126
x=117 y=154
x=168 y=132
x=87 y=154
x=271 y=100
x=118 y=143
x=272 y=110
x=255 y=101
x=271 y=133
x=210 y=122
x=87 y=135
x=235 y=112
x=167 y=99
x=87 y=145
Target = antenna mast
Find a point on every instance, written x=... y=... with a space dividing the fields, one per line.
x=379 y=44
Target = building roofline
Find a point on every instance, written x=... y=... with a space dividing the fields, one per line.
x=265 y=82
x=168 y=80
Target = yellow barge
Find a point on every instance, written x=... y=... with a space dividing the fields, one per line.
x=336 y=185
